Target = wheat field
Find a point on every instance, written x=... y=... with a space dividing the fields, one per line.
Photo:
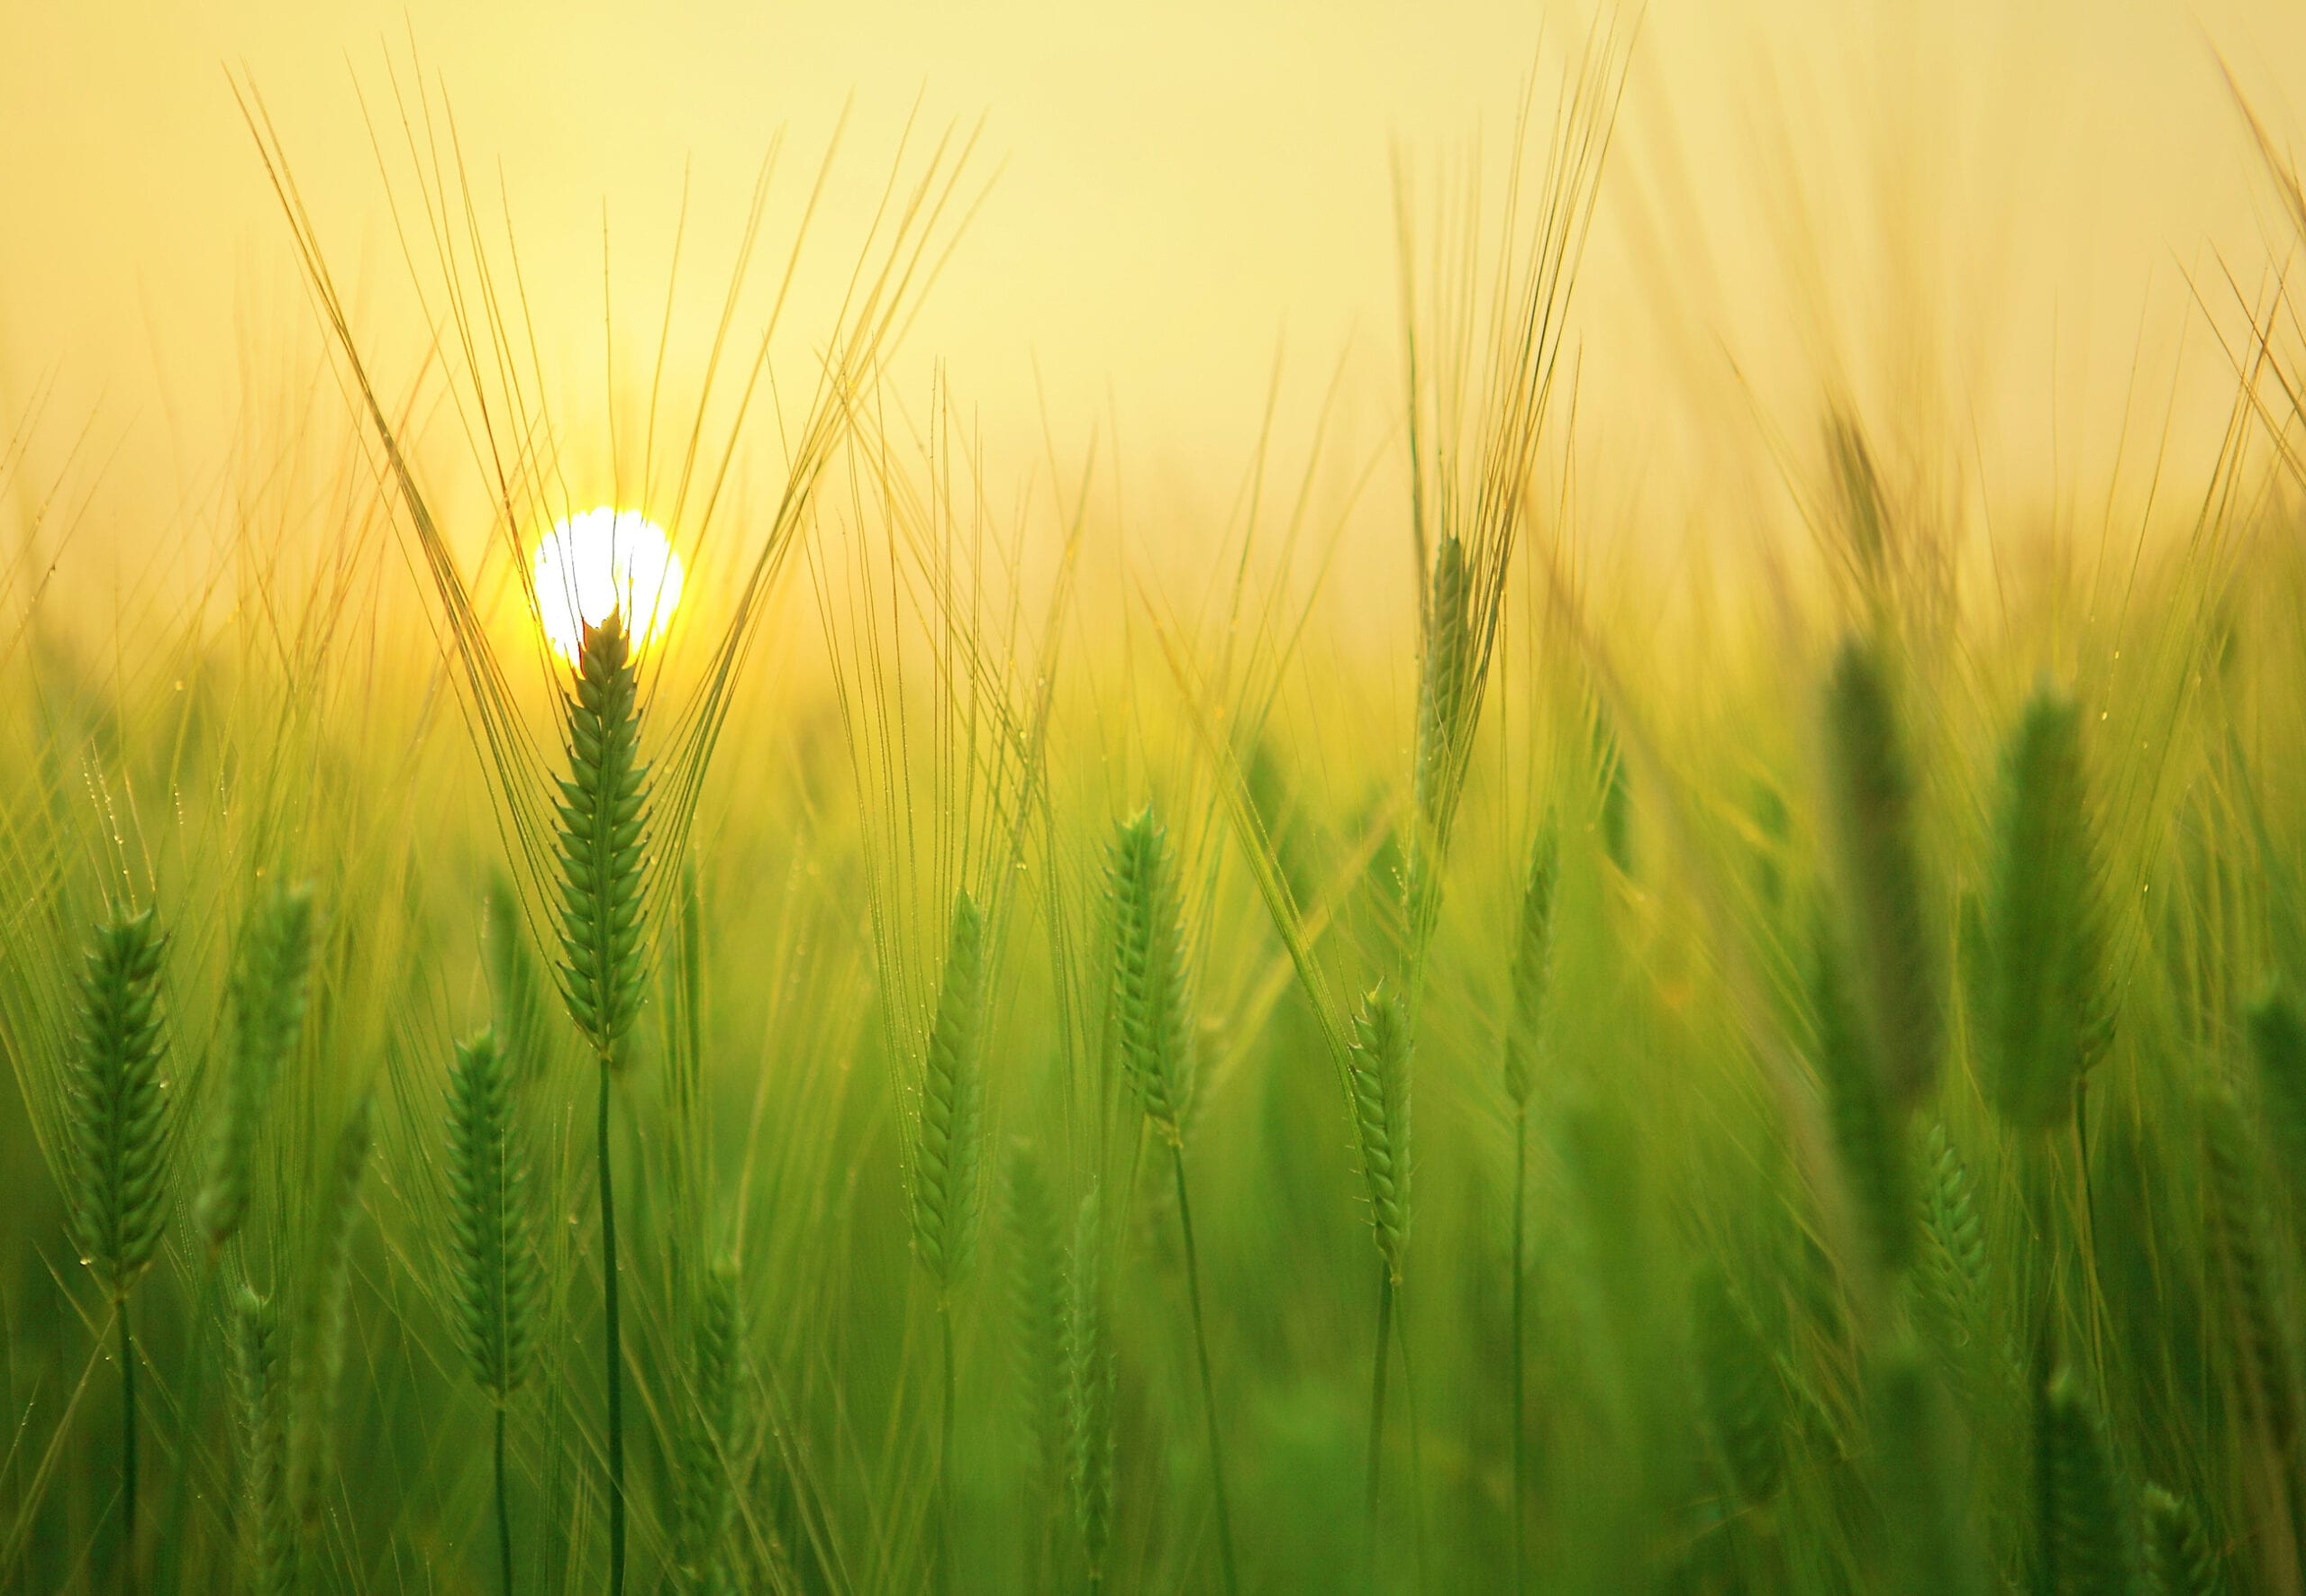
x=741 y=986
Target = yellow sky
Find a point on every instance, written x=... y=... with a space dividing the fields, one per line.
x=1995 y=206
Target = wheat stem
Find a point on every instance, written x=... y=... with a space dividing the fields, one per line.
x=127 y=1450
x=1208 y=1384
x=1518 y=1408
x=504 y=1517
x=612 y=1344
x=1377 y=1415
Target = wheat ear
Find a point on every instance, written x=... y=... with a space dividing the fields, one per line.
x=267 y=1004
x=492 y=1263
x=118 y=1123
x=2045 y=1014
x=1879 y=873
x=1089 y=1390
x=268 y=1518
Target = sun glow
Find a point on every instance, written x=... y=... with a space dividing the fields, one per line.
x=604 y=561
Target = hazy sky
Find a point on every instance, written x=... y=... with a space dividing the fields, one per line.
x=1992 y=211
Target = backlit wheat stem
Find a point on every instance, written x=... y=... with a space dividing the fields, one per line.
x=603 y=837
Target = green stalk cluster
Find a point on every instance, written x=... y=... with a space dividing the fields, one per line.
x=267 y=1003
x=948 y=1147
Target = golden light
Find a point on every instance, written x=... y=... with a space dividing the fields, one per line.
x=604 y=561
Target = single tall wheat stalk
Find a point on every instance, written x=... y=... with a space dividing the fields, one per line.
x=603 y=935
x=1153 y=1019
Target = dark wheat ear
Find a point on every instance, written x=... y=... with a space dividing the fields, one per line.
x=1872 y=1153
x=1738 y=1382
x=267 y=1002
x=2178 y=1554
x=2087 y=1538
x=2277 y=1033
x=946 y=1192
x=493 y=1263
x=1380 y=1070
x=1152 y=1012
x=2045 y=1002
x=1878 y=872
x=603 y=840
x=119 y=1105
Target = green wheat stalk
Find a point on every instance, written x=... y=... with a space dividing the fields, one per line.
x=603 y=934
x=119 y=1114
x=493 y=1266
x=1153 y=1020
x=1379 y=1064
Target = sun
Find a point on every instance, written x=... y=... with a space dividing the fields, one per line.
x=605 y=560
